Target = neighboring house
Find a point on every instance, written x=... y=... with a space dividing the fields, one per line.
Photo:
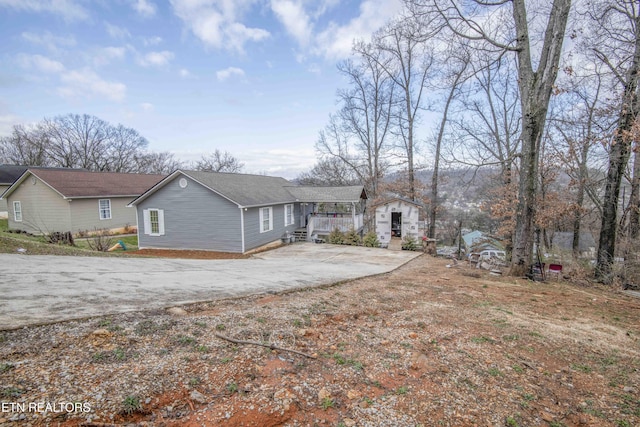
x=477 y=241
x=397 y=217
x=8 y=175
x=586 y=244
x=231 y=212
x=43 y=201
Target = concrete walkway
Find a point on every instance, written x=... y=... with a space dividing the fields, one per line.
x=40 y=289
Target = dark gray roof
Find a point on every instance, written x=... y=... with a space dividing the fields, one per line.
x=245 y=190
x=9 y=173
x=346 y=194
x=564 y=240
x=260 y=190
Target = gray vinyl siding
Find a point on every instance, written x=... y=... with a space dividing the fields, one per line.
x=85 y=214
x=194 y=218
x=43 y=210
x=254 y=238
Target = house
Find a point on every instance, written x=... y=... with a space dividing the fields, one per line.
x=397 y=217
x=231 y=212
x=8 y=175
x=477 y=241
x=42 y=201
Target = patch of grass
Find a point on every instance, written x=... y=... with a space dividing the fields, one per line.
x=402 y=390
x=4 y=224
x=201 y=324
x=131 y=404
x=202 y=348
x=194 y=381
x=232 y=387
x=494 y=372
x=581 y=368
x=557 y=424
x=10 y=392
x=517 y=369
x=220 y=327
x=226 y=359
x=513 y=337
x=327 y=403
x=5 y=367
x=510 y=422
x=184 y=340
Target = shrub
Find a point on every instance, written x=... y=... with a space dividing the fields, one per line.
x=409 y=243
x=336 y=237
x=370 y=240
x=352 y=238
x=100 y=240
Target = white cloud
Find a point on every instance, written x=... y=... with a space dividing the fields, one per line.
x=144 y=8
x=217 y=23
x=7 y=122
x=86 y=83
x=185 y=74
x=69 y=10
x=116 y=32
x=146 y=106
x=107 y=54
x=152 y=41
x=228 y=72
x=40 y=63
x=294 y=18
x=335 y=41
x=49 y=41
x=156 y=59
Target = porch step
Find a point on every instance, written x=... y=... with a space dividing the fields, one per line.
x=300 y=234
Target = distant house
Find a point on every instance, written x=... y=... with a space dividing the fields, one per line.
x=477 y=241
x=397 y=217
x=43 y=201
x=231 y=212
x=8 y=175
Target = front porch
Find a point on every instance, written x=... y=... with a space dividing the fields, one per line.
x=322 y=224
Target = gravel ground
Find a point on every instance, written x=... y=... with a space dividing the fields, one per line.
x=424 y=345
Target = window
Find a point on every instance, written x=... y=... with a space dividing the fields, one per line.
x=266 y=219
x=153 y=222
x=288 y=215
x=104 y=206
x=17 y=211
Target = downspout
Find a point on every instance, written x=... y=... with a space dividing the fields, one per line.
x=242 y=227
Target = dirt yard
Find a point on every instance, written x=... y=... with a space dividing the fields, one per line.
x=425 y=345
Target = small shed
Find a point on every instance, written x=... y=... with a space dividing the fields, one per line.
x=397 y=217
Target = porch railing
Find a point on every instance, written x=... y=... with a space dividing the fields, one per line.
x=326 y=224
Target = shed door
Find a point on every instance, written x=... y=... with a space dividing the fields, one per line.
x=396 y=224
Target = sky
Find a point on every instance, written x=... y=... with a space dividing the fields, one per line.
x=256 y=78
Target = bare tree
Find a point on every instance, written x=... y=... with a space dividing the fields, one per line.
x=25 y=146
x=156 y=162
x=411 y=58
x=358 y=136
x=459 y=60
x=536 y=78
x=219 y=161
x=329 y=171
x=615 y=42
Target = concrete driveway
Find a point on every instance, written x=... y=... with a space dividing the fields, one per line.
x=41 y=289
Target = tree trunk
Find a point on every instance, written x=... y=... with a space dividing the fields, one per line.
x=618 y=159
x=535 y=90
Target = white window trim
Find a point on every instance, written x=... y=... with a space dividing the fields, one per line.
x=100 y=209
x=17 y=213
x=262 y=210
x=286 y=218
x=146 y=216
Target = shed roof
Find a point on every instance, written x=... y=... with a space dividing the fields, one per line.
x=73 y=183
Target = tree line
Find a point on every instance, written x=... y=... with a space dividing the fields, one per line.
x=533 y=90
x=88 y=142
